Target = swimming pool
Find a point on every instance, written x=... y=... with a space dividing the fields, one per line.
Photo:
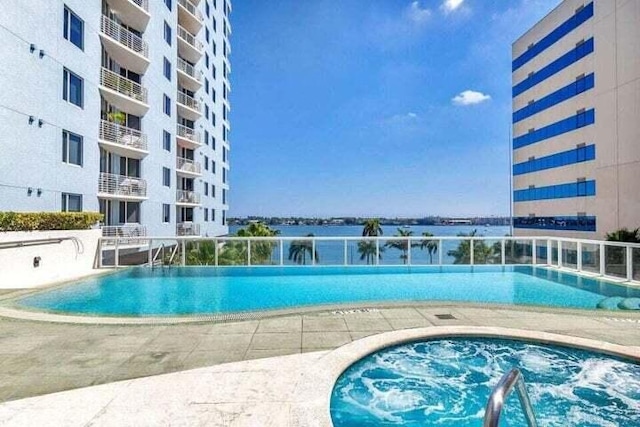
x=193 y=290
x=447 y=382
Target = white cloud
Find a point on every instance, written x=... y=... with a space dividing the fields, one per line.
x=417 y=13
x=470 y=97
x=449 y=6
x=412 y=115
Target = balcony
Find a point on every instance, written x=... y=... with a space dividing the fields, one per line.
x=187 y=198
x=126 y=48
x=189 y=16
x=127 y=234
x=122 y=140
x=188 y=167
x=127 y=95
x=188 y=107
x=188 y=137
x=134 y=13
x=189 y=47
x=111 y=186
x=187 y=229
x=188 y=77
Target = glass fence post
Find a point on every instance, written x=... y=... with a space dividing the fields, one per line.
x=629 y=263
x=503 y=255
x=603 y=261
x=183 y=256
x=471 y=251
x=248 y=251
x=579 y=251
x=215 y=252
x=440 y=252
x=313 y=251
x=377 y=251
x=408 y=250
x=534 y=252
x=281 y=252
x=117 y=253
x=345 y=257
x=150 y=254
x=559 y=253
x=100 y=253
x=549 y=252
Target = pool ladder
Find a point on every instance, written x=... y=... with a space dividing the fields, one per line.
x=504 y=388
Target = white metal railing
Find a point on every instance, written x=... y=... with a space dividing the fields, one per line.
x=190 y=39
x=187 y=229
x=123 y=85
x=191 y=8
x=126 y=234
x=144 y=4
x=189 y=133
x=185 y=196
x=189 y=69
x=120 y=185
x=123 y=36
x=188 y=101
x=188 y=165
x=612 y=260
x=122 y=135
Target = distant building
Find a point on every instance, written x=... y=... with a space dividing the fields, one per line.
x=117 y=106
x=576 y=121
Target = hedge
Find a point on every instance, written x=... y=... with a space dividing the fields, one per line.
x=31 y=221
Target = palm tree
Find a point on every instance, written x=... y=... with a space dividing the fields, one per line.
x=402 y=245
x=260 y=251
x=482 y=253
x=430 y=245
x=372 y=228
x=368 y=249
x=200 y=253
x=300 y=248
x=624 y=235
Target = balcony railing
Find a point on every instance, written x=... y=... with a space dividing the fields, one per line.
x=188 y=165
x=191 y=8
x=190 y=39
x=120 y=185
x=188 y=101
x=190 y=197
x=123 y=36
x=122 y=135
x=187 y=229
x=189 y=133
x=188 y=69
x=122 y=85
x=127 y=234
x=144 y=4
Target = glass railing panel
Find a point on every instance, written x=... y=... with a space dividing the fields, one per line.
x=615 y=261
x=456 y=252
x=570 y=254
x=264 y=252
x=425 y=251
x=591 y=257
x=487 y=252
x=542 y=252
x=518 y=251
x=300 y=252
x=636 y=264
x=329 y=252
x=396 y=251
x=232 y=252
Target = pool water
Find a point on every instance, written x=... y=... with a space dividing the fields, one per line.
x=447 y=382
x=210 y=290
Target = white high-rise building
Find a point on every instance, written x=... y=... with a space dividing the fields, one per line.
x=117 y=106
x=576 y=120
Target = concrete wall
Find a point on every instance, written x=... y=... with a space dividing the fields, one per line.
x=58 y=261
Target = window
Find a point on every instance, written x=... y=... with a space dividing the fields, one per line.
x=166 y=105
x=224 y=196
x=224 y=217
x=167 y=69
x=213 y=166
x=581 y=118
x=206 y=137
x=72 y=88
x=206 y=111
x=206 y=85
x=206 y=215
x=206 y=163
x=224 y=154
x=166 y=213
x=167 y=33
x=73 y=28
x=213 y=72
x=213 y=191
x=207 y=9
x=224 y=175
x=213 y=143
x=166 y=140
x=206 y=60
x=71 y=202
x=206 y=189
x=166 y=177
x=71 y=148
x=207 y=35
x=168 y=4
x=213 y=119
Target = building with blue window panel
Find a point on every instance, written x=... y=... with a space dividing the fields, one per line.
x=576 y=131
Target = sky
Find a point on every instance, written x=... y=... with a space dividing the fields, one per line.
x=373 y=107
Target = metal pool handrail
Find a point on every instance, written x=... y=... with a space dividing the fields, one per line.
x=504 y=388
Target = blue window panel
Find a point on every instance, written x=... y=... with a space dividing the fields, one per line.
x=560 y=191
x=565 y=158
x=569 y=124
x=570 y=223
x=556 y=66
x=573 y=89
x=565 y=28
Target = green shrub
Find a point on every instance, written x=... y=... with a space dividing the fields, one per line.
x=30 y=221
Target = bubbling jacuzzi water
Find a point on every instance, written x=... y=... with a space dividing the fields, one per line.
x=447 y=382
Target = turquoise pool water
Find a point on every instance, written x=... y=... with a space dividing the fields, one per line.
x=208 y=290
x=447 y=382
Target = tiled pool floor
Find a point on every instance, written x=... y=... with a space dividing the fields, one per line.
x=38 y=358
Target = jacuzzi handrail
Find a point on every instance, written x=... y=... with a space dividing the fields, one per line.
x=504 y=388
